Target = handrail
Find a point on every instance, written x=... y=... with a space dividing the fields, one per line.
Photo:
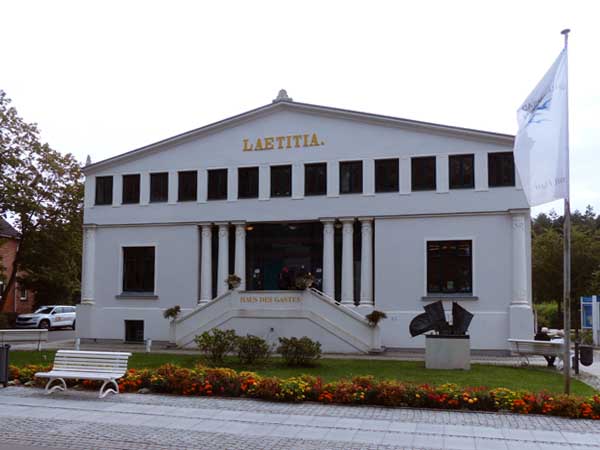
x=202 y=306
x=347 y=310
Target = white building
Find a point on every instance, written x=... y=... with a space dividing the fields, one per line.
x=386 y=213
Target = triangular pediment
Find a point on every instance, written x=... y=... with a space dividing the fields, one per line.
x=286 y=125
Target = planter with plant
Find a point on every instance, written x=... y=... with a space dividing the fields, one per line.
x=304 y=281
x=233 y=281
x=375 y=317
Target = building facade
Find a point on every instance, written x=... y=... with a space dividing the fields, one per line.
x=384 y=213
x=19 y=299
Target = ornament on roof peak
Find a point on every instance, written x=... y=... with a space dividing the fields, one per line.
x=282 y=97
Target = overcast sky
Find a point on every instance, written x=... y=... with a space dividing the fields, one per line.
x=102 y=78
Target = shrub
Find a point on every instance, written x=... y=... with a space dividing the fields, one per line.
x=252 y=349
x=299 y=352
x=548 y=315
x=216 y=343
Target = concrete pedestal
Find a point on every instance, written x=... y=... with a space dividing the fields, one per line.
x=447 y=352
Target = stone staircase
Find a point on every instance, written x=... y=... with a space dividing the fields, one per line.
x=274 y=314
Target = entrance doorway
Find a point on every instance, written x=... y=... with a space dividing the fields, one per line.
x=278 y=253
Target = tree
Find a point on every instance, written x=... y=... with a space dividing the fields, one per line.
x=547 y=258
x=41 y=191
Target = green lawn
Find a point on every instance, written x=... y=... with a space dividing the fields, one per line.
x=534 y=379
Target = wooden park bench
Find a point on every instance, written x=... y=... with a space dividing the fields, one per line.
x=86 y=365
x=530 y=347
x=24 y=337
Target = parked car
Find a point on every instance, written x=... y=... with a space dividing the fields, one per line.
x=48 y=317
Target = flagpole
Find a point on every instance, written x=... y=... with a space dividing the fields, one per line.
x=567 y=253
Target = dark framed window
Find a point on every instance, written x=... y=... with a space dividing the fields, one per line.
x=188 y=186
x=315 y=179
x=281 y=181
x=423 y=173
x=217 y=184
x=131 y=189
x=159 y=187
x=134 y=331
x=501 y=169
x=104 y=190
x=138 y=269
x=248 y=182
x=351 y=181
x=387 y=175
x=462 y=171
x=449 y=267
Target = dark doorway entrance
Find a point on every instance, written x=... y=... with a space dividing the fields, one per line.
x=277 y=253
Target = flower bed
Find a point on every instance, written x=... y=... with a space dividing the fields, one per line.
x=206 y=381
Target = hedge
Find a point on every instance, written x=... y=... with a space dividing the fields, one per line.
x=206 y=381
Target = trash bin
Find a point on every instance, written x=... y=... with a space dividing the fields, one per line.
x=4 y=364
x=586 y=355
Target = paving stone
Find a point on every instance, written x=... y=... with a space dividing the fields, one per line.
x=79 y=420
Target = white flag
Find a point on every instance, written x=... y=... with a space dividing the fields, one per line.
x=541 y=147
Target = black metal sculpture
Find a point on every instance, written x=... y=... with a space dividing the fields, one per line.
x=434 y=318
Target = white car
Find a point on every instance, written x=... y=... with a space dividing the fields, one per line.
x=48 y=317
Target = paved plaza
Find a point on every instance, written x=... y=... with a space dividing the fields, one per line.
x=78 y=420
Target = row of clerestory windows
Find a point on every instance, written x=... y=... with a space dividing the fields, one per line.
x=461 y=170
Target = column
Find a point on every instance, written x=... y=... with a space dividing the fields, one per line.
x=173 y=187
x=117 y=190
x=519 y=263
x=442 y=174
x=264 y=182
x=206 y=263
x=240 y=253
x=223 y=262
x=366 y=262
x=347 y=261
x=481 y=171
x=520 y=312
x=328 y=257
x=144 y=188
x=89 y=257
x=368 y=177
x=405 y=175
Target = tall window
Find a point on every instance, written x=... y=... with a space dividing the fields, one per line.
x=462 y=170
x=138 y=269
x=351 y=177
x=501 y=169
x=188 y=186
x=131 y=189
x=315 y=179
x=449 y=267
x=159 y=187
x=281 y=181
x=248 y=182
x=386 y=175
x=217 y=184
x=423 y=173
x=104 y=190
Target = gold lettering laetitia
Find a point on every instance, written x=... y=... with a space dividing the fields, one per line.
x=259 y=145
x=282 y=142
x=314 y=141
x=269 y=141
